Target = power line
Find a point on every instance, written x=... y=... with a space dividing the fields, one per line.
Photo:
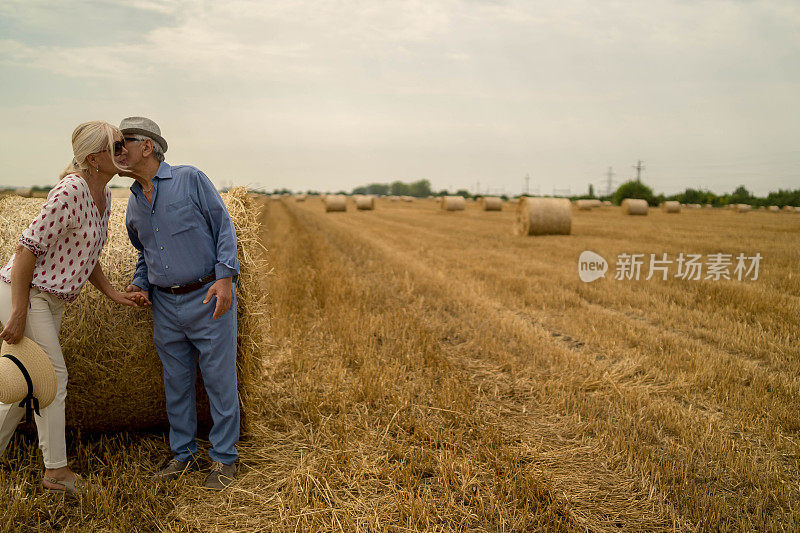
x=638 y=166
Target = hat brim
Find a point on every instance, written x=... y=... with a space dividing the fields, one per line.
x=139 y=131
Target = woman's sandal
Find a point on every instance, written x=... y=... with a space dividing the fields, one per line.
x=74 y=488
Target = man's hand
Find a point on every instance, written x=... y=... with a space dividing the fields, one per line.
x=14 y=329
x=222 y=290
x=137 y=295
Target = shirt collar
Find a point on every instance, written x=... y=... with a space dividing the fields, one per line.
x=164 y=172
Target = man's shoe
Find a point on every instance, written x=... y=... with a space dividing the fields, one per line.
x=221 y=477
x=176 y=469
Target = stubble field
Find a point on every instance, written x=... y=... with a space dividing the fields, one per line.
x=431 y=371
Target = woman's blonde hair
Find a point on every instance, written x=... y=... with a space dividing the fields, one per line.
x=89 y=138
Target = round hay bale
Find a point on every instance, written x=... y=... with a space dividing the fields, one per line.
x=275 y=196
x=742 y=208
x=394 y=198
x=543 y=216
x=671 y=207
x=584 y=205
x=453 y=203
x=633 y=206
x=300 y=198
x=115 y=375
x=693 y=206
x=708 y=206
x=491 y=203
x=407 y=198
x=788 y=209
x=607 y=203
x=365 y=203
x=335 y=202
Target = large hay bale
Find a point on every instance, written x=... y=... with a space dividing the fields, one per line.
x=742 y=208
x=115 y=375
x=335 y=202
x=365 y=203
x=543 y=216
x=491 y=203
x=453 y=203
x=671 y=206
x=633 y=206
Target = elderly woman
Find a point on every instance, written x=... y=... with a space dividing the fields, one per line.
x=56 y=255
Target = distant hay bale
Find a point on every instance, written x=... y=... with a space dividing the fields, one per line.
x=634 y=206
x=275 y=196
x=607 y=203
x=543 y=216
x=394 y=198
x=742 y=208
x=584 y=205
x=115 y=376
x=407 y=198
x=491 y=203
x=708 y=206
x=693 y=206
x=788 y=209
x=365 y=203
x=671 y=207
x=453 y=203
x=335 y=202
x=300 y=198
x=120 y=192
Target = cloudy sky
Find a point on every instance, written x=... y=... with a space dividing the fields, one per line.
x=328 y=95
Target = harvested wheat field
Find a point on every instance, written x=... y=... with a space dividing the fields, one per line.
x=432 y=371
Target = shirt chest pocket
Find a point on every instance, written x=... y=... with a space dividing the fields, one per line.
x=183 y=216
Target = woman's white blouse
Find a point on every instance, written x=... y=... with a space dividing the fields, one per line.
x=66 y=239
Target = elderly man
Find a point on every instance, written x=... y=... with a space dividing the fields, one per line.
x=187 y=259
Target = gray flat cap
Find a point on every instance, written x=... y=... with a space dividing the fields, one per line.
x=143 y=126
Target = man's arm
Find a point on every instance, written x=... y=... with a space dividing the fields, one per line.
x=227 y=265
x=140 y=281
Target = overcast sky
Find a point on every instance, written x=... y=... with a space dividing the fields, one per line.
x=330 y=95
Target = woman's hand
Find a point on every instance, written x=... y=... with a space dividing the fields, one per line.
x=14 y=329
x=130 y=299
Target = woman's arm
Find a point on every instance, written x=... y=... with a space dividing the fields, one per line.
x=21 y=276
x=99 y=280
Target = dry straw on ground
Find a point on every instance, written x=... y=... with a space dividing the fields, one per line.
x=543 y=216
x=671 y=207
x=632 y=206
x=365 y=203
x=453 y=203
x=491 y=203
x=115 y=375
x=335 y=202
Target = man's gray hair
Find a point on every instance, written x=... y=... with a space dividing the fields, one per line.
x=158 y=153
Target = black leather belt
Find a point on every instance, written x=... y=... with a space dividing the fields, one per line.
x=189 y=287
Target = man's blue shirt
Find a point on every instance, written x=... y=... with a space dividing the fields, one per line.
x=185 y=234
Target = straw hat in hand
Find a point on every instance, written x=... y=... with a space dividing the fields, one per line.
x=27 y=376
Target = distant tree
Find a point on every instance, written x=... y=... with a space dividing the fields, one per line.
x=634 y=189
x=420 y=188
x=463 y=192
x=741 y=196
x=591 y=191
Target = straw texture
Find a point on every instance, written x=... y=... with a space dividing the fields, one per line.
x=453 y=203
x=491 y=203
x=632 y=206
x=115 y=375
x=543 y=216
x=335 y=202
x=671 y=207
